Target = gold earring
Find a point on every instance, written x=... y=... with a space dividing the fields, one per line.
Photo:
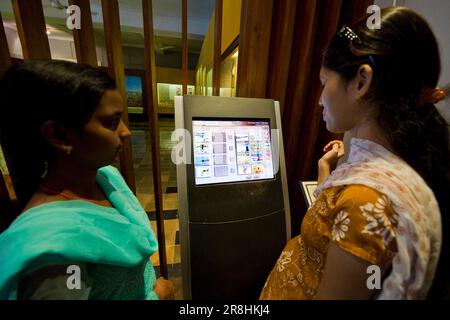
x=69 y=150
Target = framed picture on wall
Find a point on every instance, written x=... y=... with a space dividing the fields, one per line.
x=135 y=86
x=136 y=90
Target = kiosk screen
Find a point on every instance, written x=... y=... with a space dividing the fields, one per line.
x=231 y=150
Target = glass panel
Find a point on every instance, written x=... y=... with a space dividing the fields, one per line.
x=99 y=32
x=167 y=42
x=60 y=38
x=201 y=44
x=167 y=33
x=230 y=32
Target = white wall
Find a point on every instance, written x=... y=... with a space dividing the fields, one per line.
x=61 y=47
x=437 y=14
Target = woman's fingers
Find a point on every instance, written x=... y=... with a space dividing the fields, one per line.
x=330 y=145
x=336 y=148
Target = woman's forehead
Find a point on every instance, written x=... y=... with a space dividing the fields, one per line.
x=111 y=103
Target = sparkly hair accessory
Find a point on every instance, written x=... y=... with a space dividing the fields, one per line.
x=349 y=34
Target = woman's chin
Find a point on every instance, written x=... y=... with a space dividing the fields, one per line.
x=331 y=128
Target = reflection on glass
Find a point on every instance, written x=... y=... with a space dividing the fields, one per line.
x=209 y=82
x=228 y=75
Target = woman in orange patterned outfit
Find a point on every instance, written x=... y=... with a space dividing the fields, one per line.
x=386 y=206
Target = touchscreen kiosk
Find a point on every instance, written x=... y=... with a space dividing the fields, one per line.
x=232 y=192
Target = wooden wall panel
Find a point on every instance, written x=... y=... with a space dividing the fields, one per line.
x=184 y=46
x=297 y=88
x=304 y=129
x=113 y=38
x=152 y=110
x=256 y=24
x=84 y=37
x=284 y=13
x=32 y=30
x=327 y=26
x=217 y=46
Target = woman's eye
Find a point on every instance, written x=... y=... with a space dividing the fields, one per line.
x=114 y=124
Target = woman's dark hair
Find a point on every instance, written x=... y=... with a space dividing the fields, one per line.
x=33 y=93
x=404 y=56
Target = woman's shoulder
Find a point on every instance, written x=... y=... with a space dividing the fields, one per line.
x=354 y=195
x=109 y=170
x=41 y=198
x=110 y=177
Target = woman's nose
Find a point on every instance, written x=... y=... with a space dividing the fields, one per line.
x=320 y=102
x=124 y=131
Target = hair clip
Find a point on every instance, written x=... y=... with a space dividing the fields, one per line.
x=431 y=95
x=349 y=34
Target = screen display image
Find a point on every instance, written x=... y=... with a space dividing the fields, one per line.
x=231 y=150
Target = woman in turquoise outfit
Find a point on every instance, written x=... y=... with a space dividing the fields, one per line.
x=81 y=233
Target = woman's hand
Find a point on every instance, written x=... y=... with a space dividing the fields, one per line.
x=334 y=151
x=164 y=289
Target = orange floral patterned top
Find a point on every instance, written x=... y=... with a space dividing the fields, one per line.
x=358 y=219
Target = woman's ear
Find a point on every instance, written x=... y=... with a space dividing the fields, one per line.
x=55 y=135
x=363 y=80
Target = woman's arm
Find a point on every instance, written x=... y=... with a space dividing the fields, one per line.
x=345 y=277
x=358 y=239
x=334 y=150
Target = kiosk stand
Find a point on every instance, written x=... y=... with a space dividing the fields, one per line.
x=232 y=191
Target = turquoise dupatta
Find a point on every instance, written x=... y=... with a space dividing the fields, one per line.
x=69 y=231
